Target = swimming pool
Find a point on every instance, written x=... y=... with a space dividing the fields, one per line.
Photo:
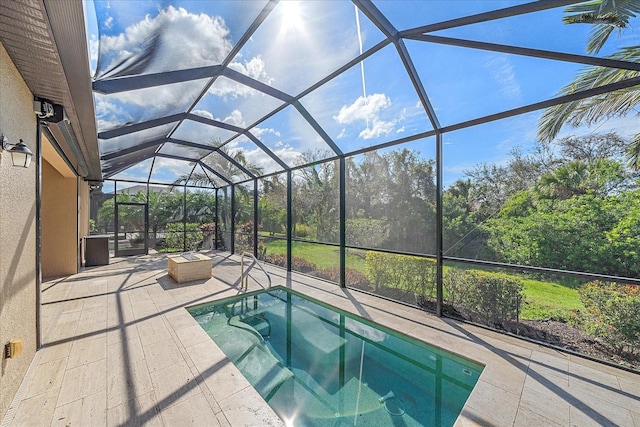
x=319 y=366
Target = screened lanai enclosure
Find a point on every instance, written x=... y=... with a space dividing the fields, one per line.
x=475 y=158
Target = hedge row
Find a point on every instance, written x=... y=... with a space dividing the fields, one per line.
x=612 y=313
x=297 y=263
x=411 y=273
x=353 y=277
x=484 y=297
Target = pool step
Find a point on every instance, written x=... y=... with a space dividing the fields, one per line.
x=258 y=322
x=263 y=370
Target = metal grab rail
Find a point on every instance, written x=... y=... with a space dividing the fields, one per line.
x=244 y=278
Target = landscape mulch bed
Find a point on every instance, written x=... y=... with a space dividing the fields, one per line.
x=566 y=336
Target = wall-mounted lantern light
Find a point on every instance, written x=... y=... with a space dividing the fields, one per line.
x=20 y=153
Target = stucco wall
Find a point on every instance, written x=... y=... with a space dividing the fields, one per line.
x=59 y=223
x=17 y=231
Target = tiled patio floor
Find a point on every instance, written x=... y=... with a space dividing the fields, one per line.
x=120 y=350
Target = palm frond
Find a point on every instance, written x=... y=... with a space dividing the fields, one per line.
x=599 y=35
x=633 y=153
x=586 y=7
x=605 y=16
x=591 y=110
x=602 y=7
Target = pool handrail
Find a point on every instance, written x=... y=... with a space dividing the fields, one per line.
x=244 y=278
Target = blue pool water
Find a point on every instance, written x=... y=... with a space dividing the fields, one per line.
x=319 y=366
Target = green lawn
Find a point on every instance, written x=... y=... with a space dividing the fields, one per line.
x=323 y=256
x=544 y=300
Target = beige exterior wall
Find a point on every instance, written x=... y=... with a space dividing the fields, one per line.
x=59 y=222
x=17 y=231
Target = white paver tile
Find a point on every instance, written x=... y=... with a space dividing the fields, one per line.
x=194 y=411
x=174 y=384
x=161 y=354
x=139 y=412
x=246 y=408
x=83 y=381
x=46 y=376
x=88 y=411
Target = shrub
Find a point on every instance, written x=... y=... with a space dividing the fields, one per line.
x=297 y=263
x=302 y=231
x=208 y=229
x=411 y=273
x=453 y=284
x=612 y=314
x=244 y=237
x=353 y=277
x=368 y=233
x=488 y=298
x=174 y=235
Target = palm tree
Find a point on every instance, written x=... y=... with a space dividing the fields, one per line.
x=566 y=181
x=221 y=165
x=606 y=16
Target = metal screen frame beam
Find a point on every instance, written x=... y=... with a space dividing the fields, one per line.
x=536 y=6
x=524 y=51
x=125 y=84
x=137 y=127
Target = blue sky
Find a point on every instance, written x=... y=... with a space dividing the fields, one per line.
x=371 y=103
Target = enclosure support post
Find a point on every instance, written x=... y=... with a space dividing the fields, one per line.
x=255 y=218
x=215 y=223
x=233 y=219
x=289 y=218
x=116 y=222
x=146 y=227
x=439 y=225
x=38 y=232
x=343 y=222
x=146 y=224
x=184 y=218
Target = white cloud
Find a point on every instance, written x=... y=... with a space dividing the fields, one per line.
x=93 y=48
x=203 y=113
x=626 y=126
x=401 y=130
x=367 y=109
x=503 y=73
x=134 y=106
x=176 y=36
x=235 y=118
x=254 y=68
x=363 y=108
x=109 y=22
x=258 y=157
x=108 y=114
x=175 y=167
x=288 y=155
x=377 y=128
x=259 y=132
